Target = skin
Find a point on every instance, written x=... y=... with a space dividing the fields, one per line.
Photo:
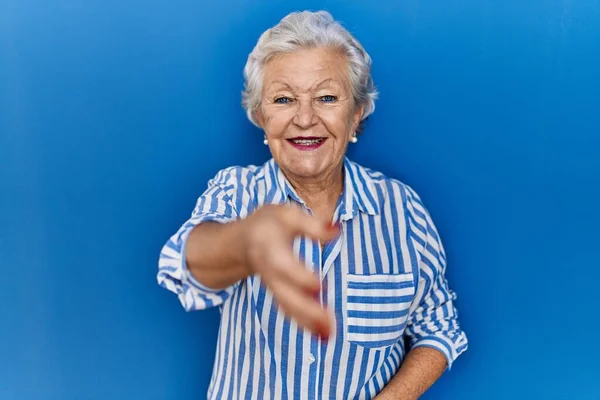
x=306 y=93
x=421 y=368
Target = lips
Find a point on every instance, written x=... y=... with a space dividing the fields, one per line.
x=307 y=143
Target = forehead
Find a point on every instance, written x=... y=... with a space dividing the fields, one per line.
x=303 y=69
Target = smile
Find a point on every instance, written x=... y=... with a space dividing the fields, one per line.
x=307 y=143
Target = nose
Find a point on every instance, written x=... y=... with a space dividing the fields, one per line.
x=305 y=116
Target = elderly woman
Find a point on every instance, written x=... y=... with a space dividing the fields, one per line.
x=329 y=276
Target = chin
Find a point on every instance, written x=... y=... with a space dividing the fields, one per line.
x=305 y=168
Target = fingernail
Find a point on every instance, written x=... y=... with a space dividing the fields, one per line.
x=335 y=226
x=323 y=331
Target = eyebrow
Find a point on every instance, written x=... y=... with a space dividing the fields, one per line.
x=280 y=83
x=324 y=82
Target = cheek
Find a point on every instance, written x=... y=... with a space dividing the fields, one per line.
x=276 y=122
x=338 y=122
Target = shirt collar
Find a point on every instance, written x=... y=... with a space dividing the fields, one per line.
x=359 y=190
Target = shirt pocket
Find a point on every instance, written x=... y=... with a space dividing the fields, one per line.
x=378 y=307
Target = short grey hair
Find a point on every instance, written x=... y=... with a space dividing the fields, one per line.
x=301 y=30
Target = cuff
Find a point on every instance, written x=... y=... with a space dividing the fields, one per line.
x=451 y=349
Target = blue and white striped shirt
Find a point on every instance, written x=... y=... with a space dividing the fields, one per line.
x=383 y=279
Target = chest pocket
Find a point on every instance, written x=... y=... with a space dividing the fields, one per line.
x=378 y=307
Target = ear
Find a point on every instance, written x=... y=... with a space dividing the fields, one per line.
x=259 y=118
x=357 y=117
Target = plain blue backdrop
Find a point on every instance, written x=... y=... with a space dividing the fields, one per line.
x=114 y=114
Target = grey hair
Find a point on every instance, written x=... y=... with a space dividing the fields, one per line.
x=301 y=30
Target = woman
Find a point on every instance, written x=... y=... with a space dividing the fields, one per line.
x=321 y=267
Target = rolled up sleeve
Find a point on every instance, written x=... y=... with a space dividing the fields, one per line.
x=215 y=205
x=433 y=321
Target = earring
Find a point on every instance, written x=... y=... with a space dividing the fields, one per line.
x=266 y=142
x=354 y=139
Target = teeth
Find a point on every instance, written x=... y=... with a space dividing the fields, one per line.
x=307 y=142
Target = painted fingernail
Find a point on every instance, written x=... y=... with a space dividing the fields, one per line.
x=323 y=330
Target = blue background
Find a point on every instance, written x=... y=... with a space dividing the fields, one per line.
x=114 y=114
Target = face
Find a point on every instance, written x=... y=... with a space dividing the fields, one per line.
x=307 y=112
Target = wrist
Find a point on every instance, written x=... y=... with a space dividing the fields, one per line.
x=245 y=236
x=397 y=391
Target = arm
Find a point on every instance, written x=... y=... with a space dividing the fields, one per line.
x=216 y=208
x=206 y=260
x=436 y=339
x=215 y=254
x=421 y=368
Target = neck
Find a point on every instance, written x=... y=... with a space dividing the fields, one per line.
x=321 y=195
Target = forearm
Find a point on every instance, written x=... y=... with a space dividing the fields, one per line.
x=421 y=368
x=215 y=254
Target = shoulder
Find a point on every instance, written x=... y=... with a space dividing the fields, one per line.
x=239 y=187
x=236 y=176
x=397 y=202
x=386 y=188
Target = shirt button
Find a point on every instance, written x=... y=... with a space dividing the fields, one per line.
x=311 y=358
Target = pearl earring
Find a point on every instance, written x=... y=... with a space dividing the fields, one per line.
x=353 y=139
x=266 y=142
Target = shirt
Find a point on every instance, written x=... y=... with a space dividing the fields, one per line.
x=383 y=278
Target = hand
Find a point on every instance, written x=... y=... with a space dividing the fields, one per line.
x=269 y=237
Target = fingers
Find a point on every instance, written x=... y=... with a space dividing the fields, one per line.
x=307 y=312
x=285 y=266
x=304 y=224
x=270 y=254
x=295 y=288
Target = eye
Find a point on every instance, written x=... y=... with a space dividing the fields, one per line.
x=328 y=99
x=282 y=100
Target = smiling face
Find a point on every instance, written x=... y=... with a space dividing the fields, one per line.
x=307 y=112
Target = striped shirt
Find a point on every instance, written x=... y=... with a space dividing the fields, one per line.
x=383 y=278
